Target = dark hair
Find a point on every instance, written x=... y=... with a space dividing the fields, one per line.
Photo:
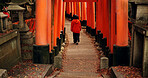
x=75 y=17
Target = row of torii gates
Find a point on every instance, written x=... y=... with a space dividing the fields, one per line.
x=111 y=21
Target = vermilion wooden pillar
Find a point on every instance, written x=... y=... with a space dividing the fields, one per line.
x=88 y=14
x=49 y=24
x=106 y=20
x=121 y=55
x=41 y=22
x=72 y=9
x=55 y=21
x=74 y=5
x=60 y=10
x=41 y=49
x=92 y=14
x=79 y=11
x=113 y=23
x=83 y=11
x=63 y=17
x=69 y=7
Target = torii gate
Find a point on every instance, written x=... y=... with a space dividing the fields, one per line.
x=112 y=22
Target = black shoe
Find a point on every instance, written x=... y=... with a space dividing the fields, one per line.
x=76 y=43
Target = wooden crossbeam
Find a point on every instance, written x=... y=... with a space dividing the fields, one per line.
x=80 y=0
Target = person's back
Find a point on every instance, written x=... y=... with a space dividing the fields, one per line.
x=76 y=28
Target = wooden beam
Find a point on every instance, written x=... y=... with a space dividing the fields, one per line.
x=80 y=0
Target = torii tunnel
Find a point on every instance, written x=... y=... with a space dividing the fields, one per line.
x=104 y=19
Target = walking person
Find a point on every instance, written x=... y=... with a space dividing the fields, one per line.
x=76 y=28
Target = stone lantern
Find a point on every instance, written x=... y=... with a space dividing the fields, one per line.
x=3 y=22
x=14 y=7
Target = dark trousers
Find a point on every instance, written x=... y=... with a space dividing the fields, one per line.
x=76 y=37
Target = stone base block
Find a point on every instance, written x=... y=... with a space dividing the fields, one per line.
x=3 y=73
x=58 y=62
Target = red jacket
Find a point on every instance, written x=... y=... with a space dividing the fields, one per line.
x=75 y=26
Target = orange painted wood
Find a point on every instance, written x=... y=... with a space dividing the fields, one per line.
x=106 y=20
x=92 y=15
x=55 y=21
x=79 y=10
x=80 y=0
x=99 y=16
x=69 y=6
x=72 y=9
x=113 y=21
x=74 y=5
x=60 y=11
x=83 y=9
x=41 y=22
x=63 y=21
x=49 y=24
x=122 y=22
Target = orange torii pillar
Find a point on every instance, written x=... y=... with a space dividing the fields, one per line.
x=74 y=5
x=99 y=21
x=59 y=26
x=104 y=43
x=83 y=14
x=63 y=22
x=92 y=18
x=72 y=10
x=41 y=47
x=56 y=26
x=121 y=55
x=78 y=9
x=113 y=21
x=88 y=19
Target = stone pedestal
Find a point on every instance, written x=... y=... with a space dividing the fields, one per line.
x=3 y=73
x=104 y=64
x=139 y=53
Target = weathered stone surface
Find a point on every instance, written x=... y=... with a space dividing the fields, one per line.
x=10 y=50
x=26 y=35
x=104 y=63
x=29 y=70
x=58 y=61
x=3 y=73
x=27 y=41
x=27 y=55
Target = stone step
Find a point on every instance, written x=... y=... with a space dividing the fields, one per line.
x=78 y=75
x=30 y=70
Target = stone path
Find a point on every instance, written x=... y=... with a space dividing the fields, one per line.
x=81 y=60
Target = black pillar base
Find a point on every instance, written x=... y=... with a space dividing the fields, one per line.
x=64 y=34
x=84 y=23
x=121 y=55
x=92 y=32
x=61 y=36
x=103 y=43
x=110 y=59
x=106 y=51
x=96 y=37
x=100 y=36
x=60 y=44
x=89 y=29
x=56 y=50
x=41 y=54
x=52 y=56
x=86 y=28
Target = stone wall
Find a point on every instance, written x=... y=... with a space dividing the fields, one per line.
x=9 y=49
